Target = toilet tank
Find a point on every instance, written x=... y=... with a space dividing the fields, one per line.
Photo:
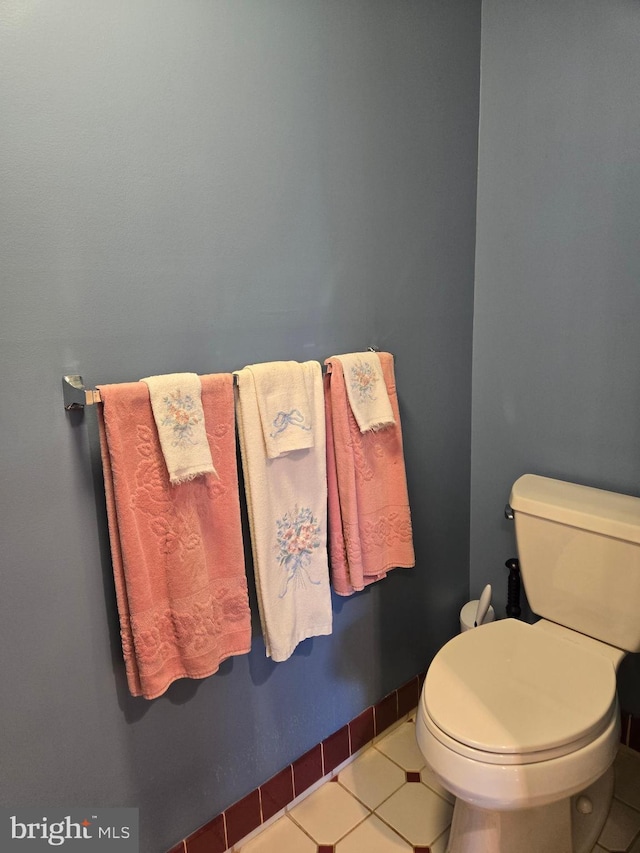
x=579 y=551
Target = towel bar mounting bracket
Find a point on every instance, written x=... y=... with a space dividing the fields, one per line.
x=75 y=395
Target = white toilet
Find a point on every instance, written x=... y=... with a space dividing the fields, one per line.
x=521 y=722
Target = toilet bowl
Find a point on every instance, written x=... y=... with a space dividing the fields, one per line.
x=515 y=721
x=520 y=722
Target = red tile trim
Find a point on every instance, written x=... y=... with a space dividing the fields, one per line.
x=276 y=793
x=385 y=713
x=307 y=770
x=625 y=721
x=630 y=730
x=229 y=827
x=243 y=817
x=361 y=730
x=336 y=749
x=408 y=696
x=210 y=838
x=634 y=733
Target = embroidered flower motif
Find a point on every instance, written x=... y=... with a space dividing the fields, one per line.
x=181 y=415
x=363 y=381
x=297 y=537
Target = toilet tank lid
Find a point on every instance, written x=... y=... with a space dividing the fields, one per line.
x=596 y=510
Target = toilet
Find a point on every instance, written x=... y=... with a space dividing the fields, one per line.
x=521 y=722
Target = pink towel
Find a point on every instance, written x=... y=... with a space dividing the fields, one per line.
x=178 y=559
x=369 y=517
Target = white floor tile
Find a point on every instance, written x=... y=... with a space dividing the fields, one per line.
x=401 y=746
x=622 y=825
x=416 y=813
x=284 y=837
x=372 y=778
x=373 y=836
x=329 y=813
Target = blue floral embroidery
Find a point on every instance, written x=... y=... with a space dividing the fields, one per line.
x=285 y=419
x=297 y=537
x=363 y=381
x=181 y=415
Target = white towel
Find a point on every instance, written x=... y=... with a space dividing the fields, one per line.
x=287 y=503
x=366 y=390
x=176 y=401
x=284 y=405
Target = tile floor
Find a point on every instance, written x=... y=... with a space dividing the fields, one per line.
x=385 y=800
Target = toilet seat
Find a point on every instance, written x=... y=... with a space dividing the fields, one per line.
x=506 y=693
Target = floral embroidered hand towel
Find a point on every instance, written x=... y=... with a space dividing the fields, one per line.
x=369 y=517
x=285 y=409
x=366 y=390
x=178 y=556
x=287 y=505
x=176 y=401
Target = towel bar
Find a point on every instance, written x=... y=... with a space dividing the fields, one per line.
x=76 y=396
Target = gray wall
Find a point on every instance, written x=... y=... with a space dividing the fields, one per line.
x=196 y=186
x=556 y=353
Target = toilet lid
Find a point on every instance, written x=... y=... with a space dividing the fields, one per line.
x=509 y=687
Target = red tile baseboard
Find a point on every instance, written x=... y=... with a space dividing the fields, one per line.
x=307 y=770
x=336 y=749
x=245 y=816
x=385 y=713
x=242 y=817
x=210 y=838
x=362 y=729
x=630 y=731
x=277 y=793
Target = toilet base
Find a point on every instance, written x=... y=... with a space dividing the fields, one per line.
x=568 y=826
